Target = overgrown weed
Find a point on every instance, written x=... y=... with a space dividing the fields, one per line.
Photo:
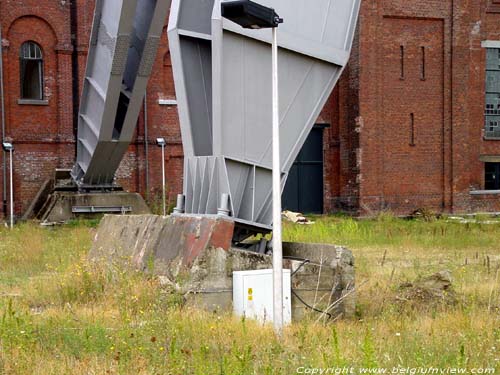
x=61 y=314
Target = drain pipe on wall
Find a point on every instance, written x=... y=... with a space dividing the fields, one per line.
x=146 y=142
x=75 y=70
x=2 y=109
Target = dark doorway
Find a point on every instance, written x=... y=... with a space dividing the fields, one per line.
x=304 y=188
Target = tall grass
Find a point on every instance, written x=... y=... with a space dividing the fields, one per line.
x=389 y=231
x=60 y=314
x=30 y=250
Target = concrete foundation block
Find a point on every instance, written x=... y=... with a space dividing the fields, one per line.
x=327 y=280
x=128 y=239
x=155 y=243
x=59 y=206
x=194 y=255
x=186 y=237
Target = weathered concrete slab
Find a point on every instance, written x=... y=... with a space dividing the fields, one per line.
x=151 y=241
x=326 y=282
x=130 y=238
x=193 y=254
x=186 y=237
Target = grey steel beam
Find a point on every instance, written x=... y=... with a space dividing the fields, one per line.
x=100 y=209
x=124 y=40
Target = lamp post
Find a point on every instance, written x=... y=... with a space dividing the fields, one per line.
x=161 y=142
x=9 y=147
x=251 y=15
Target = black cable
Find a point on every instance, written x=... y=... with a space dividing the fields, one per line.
x=301 y=265
x=309 y=306
x=300 y=299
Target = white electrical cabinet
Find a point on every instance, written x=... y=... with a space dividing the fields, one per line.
x=253 y=295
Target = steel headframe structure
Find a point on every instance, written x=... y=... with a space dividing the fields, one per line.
x=123 y=45
x=222 y=77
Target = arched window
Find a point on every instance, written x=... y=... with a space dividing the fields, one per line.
x=31 y=67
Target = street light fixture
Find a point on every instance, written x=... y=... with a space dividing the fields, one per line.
x=161 y=142
x=9 y=147
x=250 y=15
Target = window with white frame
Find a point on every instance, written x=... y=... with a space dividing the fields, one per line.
x=492 y=109
x=31 y=69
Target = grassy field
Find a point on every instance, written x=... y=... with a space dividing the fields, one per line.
x=61 y=315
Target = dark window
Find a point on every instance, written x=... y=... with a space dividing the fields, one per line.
x=492 y=106
x=402 y=61
x=31 y=68
x=412 y=129
x=422 y=72
x=167 y=61
x=492 y=176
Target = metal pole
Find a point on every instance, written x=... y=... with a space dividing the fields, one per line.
x=277 y=244
x=2 y=109
x=146 y=142
x=163 y=175
x=11 y=192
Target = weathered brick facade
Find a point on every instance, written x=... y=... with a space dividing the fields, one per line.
x=446 y=102
x=406 y=120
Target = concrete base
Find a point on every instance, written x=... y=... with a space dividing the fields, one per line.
x=59 y=200
x=151 y=240
x=194 y=255
x=60 y=206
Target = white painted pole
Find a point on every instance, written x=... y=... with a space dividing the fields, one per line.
x=277 y=243
x=164 y=182
x=2 y=109
x=11 y=191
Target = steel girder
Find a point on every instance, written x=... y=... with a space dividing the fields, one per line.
x=123 y=45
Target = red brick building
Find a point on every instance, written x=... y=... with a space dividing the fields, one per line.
x=414 y=122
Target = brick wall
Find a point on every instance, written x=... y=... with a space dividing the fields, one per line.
x=439 y=165
x=372 y=161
